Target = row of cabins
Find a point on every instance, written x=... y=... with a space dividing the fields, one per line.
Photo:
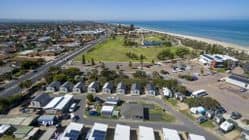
x=123 y=132
x=94 y=87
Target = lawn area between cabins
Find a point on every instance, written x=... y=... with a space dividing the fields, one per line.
x=113 y=50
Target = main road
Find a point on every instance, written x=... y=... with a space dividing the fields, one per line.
x=13 y=88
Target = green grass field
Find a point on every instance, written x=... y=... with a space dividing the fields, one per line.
x=114 y=51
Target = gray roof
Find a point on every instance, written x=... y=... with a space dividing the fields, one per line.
x=239 y=78
x=121 y=85
x=68 y=85
x=46 y=118
x=55 y=84
x=79 y=85
x=108 y=85
x=42 y=98
x=132 y=110
x=135 y=86
x=94 y=84
x=150 y=87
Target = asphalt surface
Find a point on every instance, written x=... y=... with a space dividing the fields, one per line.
x=13 y=88
x=185 y=124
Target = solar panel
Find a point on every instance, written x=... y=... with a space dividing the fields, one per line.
x=239 y=78
x=99 y=135
x=73 y=134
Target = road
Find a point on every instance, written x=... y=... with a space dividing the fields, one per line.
x=185 y=123
x=13 y=88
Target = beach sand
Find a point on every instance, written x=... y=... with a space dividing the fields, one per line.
x=210 y=41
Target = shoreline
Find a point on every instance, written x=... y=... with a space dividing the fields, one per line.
x=207 y=40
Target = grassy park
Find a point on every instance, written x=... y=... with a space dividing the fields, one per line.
x=113 y=50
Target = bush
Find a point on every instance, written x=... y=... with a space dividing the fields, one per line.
x=207 y=102
x=165 y=54
x=90 y=98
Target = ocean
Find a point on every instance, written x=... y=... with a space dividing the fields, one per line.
x=235 y=32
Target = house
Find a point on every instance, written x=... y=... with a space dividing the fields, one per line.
x=195 y=137
x=66 y=87
x=150 y=90
x=72 y=132
x=107 y=111
x=98 y=132
x=53 y=87
x=121 y=88
x=47 y=120
x=238 y=80
x=135 y=89
x=145 y=133
x=167 y=92
x=93 y=87
x=40 y=101
x=107 y=88
x=132 y=111
x=122 y=132
x=170 y=134
x=4 y=129
x=79 y=87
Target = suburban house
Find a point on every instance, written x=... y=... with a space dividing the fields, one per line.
x=107 y=88
x=121 y=88
x=47 y=120
x=145 y=133
x=122 y=132
x=93 y=87
x=98 y=132
x=132 y=111
x=135 y=89
x=53 y=87
x=72 y=131
x=238 y=80
x=66 y=87
x=79 y=87
x=40 y=101
x=150 y=89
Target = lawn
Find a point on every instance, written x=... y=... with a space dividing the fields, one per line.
x=171 y=101
x=208 y=124
x=113 y=50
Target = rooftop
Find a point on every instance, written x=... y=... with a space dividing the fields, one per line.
x=146 y=133
x=122 y=132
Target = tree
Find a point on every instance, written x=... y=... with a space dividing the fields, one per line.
x=90 y=97
x=132 y=27
x=130 y=64
x=153 y=61
x=140 y=74
x=182 y=52
x=60 y=77
x=117 y=67
x=142 y=60
x=26 y=84
x=83 y=59
x=165 y=54
x=92 y=62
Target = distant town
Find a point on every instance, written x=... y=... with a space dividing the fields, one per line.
x=101 y=81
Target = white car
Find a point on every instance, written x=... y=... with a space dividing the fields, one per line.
x=226 y=126
x=72 y=107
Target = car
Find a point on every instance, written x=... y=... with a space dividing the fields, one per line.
x=75 y=118
x=72 y=107
x=235 y=115
x=220 y=110
x=243 y=90
x=202 y=119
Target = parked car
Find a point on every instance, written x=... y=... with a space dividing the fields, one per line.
x=72 y=107
x=219 y=119
x=243 y=90
x=236 y=115
x=202 y=119
x=226 y=126
x=220 y=110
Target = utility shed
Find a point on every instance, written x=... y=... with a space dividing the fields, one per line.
x=122 y=132
x=145 y=133
x=195 y=137
x=170 y=134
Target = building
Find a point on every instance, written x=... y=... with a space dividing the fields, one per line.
x=58 y=104
x=53 y=87
x=195 y=137
x=33 y=134
x=132 y=111
x=22 y=131
x=107 y=88
x=79 y=87
x=135 y=89
x=145 y=133
x=107 y=111
x=49 y=108
x=72 y=132
x=93 y=87
x=48 y=134
x=47 y=120
x=150 y=89
x=217 y=60
x=4 y=128
x=122 y=132
x=170 y=134
x=98 y=132
x=121 y=88
x=40 y=101
x=112 y=101
x=238 y=80
x=66 y=87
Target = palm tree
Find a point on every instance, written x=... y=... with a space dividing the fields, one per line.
x=141 y=60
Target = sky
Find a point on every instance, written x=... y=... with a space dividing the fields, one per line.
x=124 y=9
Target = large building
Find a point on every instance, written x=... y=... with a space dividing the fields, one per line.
x=217 y=60
x=238 y=80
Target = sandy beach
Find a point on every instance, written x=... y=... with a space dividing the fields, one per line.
x=210 y=41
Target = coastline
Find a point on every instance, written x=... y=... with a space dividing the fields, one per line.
x=207 y=40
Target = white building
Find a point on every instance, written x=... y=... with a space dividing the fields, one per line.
x=122 y=132
x=107 y=111
x=145 y=133
x=72 y=132
x=97 y=132
x=195 y=137
x=238 y=80
x=170 y=134
x=58 y=104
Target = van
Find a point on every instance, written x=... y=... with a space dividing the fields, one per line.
x=199 y=93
